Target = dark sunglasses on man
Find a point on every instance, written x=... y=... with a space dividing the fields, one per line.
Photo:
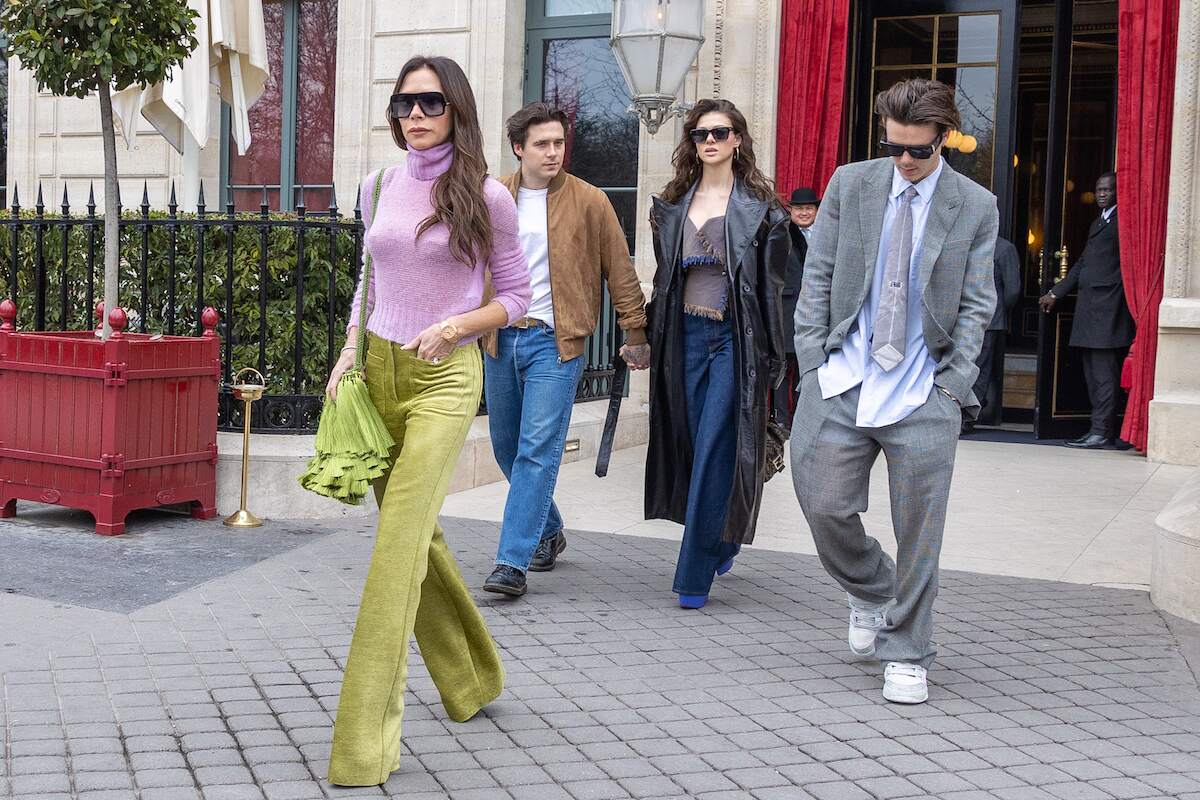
x=719 y=134
x=433 y=104
x=921 y=152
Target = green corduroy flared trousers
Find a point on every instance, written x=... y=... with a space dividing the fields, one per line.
x=413 y=584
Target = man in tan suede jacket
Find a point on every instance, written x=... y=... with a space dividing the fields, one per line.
x=573 y=241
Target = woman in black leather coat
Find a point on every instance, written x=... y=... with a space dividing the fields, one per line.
x=716 y=330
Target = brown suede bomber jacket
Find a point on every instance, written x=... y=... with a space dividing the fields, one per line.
x=586 y=245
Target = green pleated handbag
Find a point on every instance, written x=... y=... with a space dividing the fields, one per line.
x=352 y=442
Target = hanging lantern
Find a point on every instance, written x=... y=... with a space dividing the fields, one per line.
x=655 y=43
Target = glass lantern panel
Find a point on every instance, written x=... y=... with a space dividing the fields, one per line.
x=640 y=57
x=685 y=17
x=678 y=56
x=636 y=17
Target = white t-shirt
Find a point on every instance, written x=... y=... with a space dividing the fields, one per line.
x=531 y=219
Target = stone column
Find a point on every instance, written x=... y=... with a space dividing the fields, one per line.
x=1175 y=410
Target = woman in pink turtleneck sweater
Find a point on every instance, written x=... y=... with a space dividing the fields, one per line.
x=439 y=226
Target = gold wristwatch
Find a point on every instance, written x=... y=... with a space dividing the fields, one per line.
x=450 y=333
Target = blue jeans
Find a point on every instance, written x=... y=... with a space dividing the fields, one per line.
x=530 y=393
x=710 y=385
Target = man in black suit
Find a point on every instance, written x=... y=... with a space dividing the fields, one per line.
x=803 y=211
x=1103 y=328
x=1007 y=265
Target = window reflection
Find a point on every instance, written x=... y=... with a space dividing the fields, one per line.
x=904 y=40
x=566 y=8
x=315 y=53
x=582 y=78
x=316 y=70
x=975 y=95
x=260 y=164
x=968 y=39
x=960 y=50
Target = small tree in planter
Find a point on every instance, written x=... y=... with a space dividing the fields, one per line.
x=76 y=47
x=131 y=421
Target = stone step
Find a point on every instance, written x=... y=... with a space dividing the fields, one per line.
x=276 y=462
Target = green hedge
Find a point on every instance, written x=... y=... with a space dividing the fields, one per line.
x=279 y=330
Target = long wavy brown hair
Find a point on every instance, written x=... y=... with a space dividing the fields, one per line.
x=688 y=165
x=458 y=193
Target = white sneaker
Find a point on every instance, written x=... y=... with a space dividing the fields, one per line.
x=904 y=683
x=866 y=620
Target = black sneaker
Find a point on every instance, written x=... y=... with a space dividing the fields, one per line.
x=506 y=580
x=546 y=555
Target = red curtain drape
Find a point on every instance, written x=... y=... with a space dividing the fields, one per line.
x=1147 y=32
x=812 y=84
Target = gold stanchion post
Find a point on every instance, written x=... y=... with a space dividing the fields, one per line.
x=247 y=393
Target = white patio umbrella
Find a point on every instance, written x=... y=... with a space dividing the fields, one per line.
x=232 y=55
x=239 y=64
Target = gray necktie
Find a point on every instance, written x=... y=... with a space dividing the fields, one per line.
x=891 y=320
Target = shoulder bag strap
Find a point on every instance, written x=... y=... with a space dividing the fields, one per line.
x=361 y=345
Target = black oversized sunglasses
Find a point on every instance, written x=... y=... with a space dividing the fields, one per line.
x=433 y=104
x=700 y=135
x=921 y=152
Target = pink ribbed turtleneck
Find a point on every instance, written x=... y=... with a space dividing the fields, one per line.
x=417 y=282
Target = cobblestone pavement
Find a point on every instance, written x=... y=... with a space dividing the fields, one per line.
x=225 y=690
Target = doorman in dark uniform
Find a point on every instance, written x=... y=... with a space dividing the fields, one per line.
x=1103 y=328
x=803 y=211
x=1007 y=265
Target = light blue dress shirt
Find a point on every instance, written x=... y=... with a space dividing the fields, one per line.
x=886 y=397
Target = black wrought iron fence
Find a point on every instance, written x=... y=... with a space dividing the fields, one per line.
x=283 y=283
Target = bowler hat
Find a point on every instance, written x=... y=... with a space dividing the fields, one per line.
x=805 y=196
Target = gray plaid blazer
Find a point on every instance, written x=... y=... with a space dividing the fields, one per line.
x=955 y=266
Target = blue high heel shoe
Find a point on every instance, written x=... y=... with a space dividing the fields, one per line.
x=725 y=567
x=692 y=600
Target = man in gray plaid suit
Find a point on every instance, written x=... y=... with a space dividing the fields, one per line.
x=897 y=293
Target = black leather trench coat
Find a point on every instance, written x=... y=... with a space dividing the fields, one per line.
x=757 y=246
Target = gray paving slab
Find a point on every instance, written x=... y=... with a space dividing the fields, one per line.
x=220 y=680
x=160 y=556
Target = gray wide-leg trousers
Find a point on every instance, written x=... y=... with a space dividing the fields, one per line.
x=831 y=467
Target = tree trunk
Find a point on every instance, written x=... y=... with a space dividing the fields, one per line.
x=112 y=235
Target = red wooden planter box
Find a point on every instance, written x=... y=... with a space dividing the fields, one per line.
x=108 y=427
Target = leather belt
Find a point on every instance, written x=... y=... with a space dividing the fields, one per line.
x=620 y=374
x=528 y=322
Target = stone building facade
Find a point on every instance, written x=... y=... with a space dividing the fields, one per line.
x=54 y=142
